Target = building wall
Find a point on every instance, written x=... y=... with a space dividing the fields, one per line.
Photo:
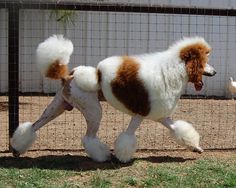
x=97 y=35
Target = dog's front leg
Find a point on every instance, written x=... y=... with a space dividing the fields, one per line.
x=184 y=134
x=125 y=144
x=25 y=134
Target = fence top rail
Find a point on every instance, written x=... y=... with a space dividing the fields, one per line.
x=114 y=7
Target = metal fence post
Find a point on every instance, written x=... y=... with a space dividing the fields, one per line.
x=13 y=67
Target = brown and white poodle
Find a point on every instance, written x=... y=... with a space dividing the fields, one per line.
x=146 y=86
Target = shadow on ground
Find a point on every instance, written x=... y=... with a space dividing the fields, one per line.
x=78 y=163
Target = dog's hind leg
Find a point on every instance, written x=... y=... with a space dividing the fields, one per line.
x=25 y=134
x=89 y=105
x=93 y=146
x=184 y=134
x=125 y=144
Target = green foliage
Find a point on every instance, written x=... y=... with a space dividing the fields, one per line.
x=65 y=17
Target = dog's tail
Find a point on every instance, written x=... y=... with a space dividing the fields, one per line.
x=53 y=56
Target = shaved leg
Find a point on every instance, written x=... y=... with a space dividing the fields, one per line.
x=25 y=134
x=168 y=123
x=89 y=105
x=93 y=146
x=57 y=106
x=125 y=144
x=134 y=124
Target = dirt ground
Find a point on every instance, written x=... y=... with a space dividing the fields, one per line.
x=214 y=119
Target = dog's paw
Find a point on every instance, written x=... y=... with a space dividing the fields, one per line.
x=185 y=135
x=125 y=146
x=23 y=138
x=96 y=149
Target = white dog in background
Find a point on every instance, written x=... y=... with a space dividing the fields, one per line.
x=232 y=87
x=146 y=86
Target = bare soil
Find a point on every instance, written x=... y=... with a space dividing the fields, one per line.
x=214 y=119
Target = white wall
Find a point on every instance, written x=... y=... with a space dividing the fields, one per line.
x=97 y=35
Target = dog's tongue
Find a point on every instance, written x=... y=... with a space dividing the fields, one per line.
x=198 y=85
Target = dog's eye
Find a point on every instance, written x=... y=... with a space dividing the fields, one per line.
x=207 y=53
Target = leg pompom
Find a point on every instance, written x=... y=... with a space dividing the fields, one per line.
x=23 y=138
x=185 y=135
x=96 y=149
x=125 y=146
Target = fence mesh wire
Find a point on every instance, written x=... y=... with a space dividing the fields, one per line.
x=97 y=35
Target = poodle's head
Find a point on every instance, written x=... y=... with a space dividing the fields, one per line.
x=194 y=52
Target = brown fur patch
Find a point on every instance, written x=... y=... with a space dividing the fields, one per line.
x=57 y=70
x=129 y=89
x=195 y=57
x=69 y=77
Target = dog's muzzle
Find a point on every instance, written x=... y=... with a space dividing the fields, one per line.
x=209 y=70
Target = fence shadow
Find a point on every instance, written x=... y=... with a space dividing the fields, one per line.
x=3 y=106
x=78 y=163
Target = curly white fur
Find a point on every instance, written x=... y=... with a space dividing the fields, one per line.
x=86 y=78
x=23 y=137
x=125 y=146
x=185 y=135
x=95 y=149
x=54 y=48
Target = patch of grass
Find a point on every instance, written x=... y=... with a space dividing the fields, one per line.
x=98 y=181
x=30 y=177
x=204 y=173
x=159 y=176
x=132 y=181
x=200 y=173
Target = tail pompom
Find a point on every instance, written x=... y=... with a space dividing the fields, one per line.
x=53 y=55
x=23 y=137
x=86 y=77
x=185 y=135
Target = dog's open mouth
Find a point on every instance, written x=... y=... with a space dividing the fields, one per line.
x=198 y=85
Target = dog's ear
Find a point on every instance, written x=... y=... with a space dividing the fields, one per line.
x=195 y=57
x=192 y=53
x=194 y=70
